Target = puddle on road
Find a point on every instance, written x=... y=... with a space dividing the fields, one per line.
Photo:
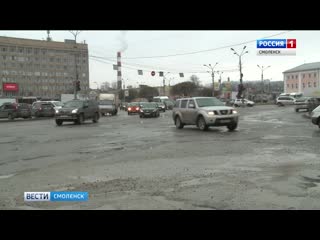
x=6 y=176
x=272 y=137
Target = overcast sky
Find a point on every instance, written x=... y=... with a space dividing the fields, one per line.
x=139 y=44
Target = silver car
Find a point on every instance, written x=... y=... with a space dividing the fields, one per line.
x=204 y=112
x=301 y=103
x=285 y=100
x=315 y=116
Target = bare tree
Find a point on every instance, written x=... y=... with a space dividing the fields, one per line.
x=195 y=80
x=114 y=85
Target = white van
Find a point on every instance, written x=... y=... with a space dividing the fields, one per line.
x=160 y=98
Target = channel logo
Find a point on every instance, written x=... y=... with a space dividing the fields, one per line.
x=276 y=47
x=56 y=196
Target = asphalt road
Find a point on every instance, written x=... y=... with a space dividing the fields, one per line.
x=272 y=161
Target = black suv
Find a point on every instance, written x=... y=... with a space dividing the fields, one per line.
x=78 y=111
x=15 y=110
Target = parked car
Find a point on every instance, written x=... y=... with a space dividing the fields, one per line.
x=133 y=107
x=15 y=110
x=243 y=102
x=285 y=100
x=161 y=106
x=43 y=109
x=78 y=111
x=315 y=116
x=149 y=109
x=301 y=103
x=204 y=112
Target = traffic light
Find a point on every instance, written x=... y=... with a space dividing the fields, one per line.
x=78 y=85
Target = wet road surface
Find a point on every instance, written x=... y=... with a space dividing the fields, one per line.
x=272 y=161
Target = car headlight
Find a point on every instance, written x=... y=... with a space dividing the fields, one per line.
x=234 y=112
x=210 y=113
x=57 y=111
x=129 y=109
x=74 y=111
x=141 y=110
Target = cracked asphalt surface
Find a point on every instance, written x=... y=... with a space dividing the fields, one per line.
x=272 y=161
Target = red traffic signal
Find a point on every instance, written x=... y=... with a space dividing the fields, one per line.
x=153 y=73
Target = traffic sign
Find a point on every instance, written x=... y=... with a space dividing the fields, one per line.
x=153 y=73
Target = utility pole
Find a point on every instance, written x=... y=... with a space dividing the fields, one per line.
x=164 y=83
x=212 y=74
x=241 y=87
x=75 y=34
x=262 y=83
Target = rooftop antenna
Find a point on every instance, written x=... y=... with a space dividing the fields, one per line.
x=48 y=38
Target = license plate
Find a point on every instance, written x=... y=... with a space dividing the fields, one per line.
x=64 y=116
x=225 y=121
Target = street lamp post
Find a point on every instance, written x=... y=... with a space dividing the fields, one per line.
x=164 y=83
x=262 y=84
x=240 y=68
x=212 y=74
x=75 y=34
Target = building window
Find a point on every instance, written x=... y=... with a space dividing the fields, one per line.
x=315 y=84
x=296 y=76
x=12 y=58
x=292 y=85
x=303 y=85
x=302 y=75
x=4 y=57
x=12 y=49
x=309 y=84
x=20 y=50
x=315 y=75
x=4 y=49
x=309 y=75
x=288 y=77
x=296 y=85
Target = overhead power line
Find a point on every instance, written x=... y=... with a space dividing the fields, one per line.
x=205 y=50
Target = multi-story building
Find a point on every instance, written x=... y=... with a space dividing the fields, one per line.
x=303 y=79
x=42 y=68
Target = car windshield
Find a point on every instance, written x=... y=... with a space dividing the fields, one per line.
x=105 y=102
x=208 y=102
x=148 y=105
x=317 y=109
x=133 y=104
x=58 y=104
x=73 y=104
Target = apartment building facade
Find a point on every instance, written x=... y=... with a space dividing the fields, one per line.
x=303 y=79
x=42 y=68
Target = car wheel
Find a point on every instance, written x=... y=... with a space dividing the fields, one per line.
x=158 y=114
x=279 y=104
x=202 y=124
x=10 y=116
x=178 y=123
x=80 y=119
x=128 y=113
x=95 y=118
x=141 y=116
x=59 y=122
x=232 y=127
